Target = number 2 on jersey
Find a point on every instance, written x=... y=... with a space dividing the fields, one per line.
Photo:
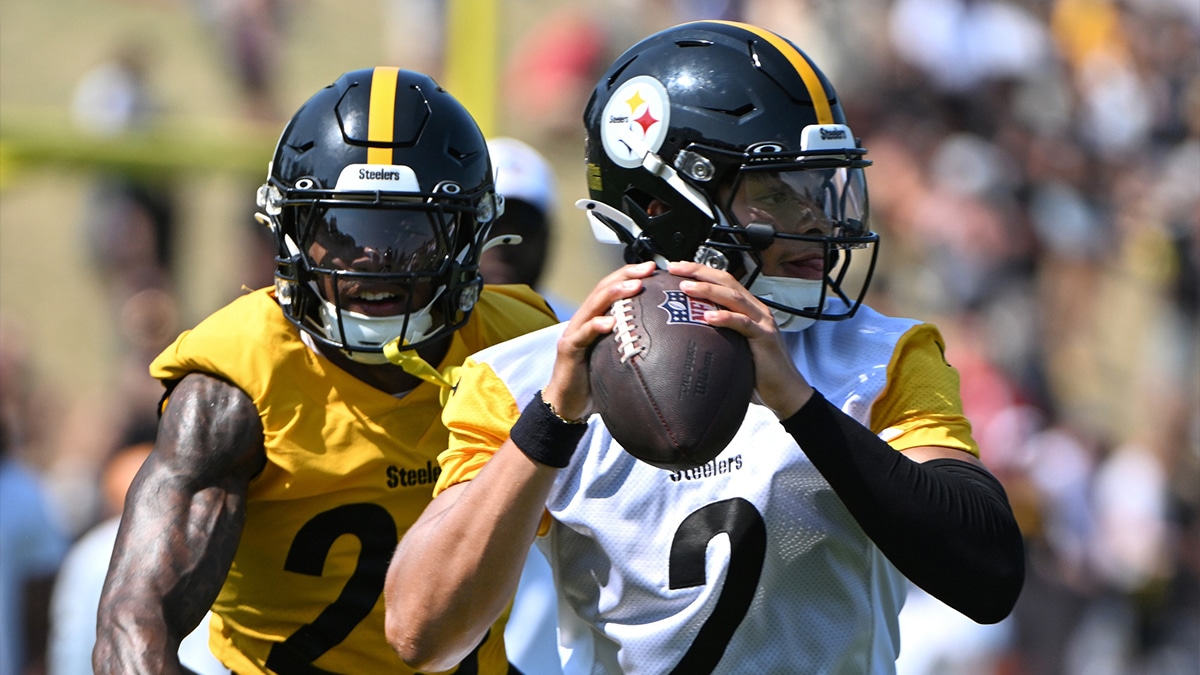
x=748 y=548
x=376 y=533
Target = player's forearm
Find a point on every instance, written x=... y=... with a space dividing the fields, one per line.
x=181 y=526
x=169 y=562
x=946 y=524
x=457 y=568
x=141 y=646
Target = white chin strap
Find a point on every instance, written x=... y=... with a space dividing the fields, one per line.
x=366 y=332
x=798 y=293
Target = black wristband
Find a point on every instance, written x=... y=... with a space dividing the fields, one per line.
x=545 y=437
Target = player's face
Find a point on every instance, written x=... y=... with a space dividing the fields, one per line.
x=792 y=203
x=377 y=242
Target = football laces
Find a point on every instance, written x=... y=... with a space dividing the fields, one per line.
x=625 y=331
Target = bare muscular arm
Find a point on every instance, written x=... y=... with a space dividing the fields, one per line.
x=493 y=520
x=182 y=522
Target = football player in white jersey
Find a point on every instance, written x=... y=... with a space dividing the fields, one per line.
x=718 y=151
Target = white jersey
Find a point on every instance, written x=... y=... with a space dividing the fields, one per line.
x=749 y=564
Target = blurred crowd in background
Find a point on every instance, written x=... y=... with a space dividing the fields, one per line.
x=1036 y=184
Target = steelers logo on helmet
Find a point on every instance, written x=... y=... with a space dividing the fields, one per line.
x=636 y=119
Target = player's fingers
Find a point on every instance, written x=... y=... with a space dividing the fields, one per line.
x=734 y=298
x=717 y=286
x=569 y=389
x=592 y=319
x=739 y=322
x=576 y=340
x=701 y=273
x=777 y=381
x=621 y=283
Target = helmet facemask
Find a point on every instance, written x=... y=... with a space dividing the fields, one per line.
x=788 y=223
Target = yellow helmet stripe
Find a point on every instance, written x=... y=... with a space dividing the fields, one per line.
x=801 y=64
x=381 y=120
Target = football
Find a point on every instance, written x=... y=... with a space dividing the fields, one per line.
x=671 y=389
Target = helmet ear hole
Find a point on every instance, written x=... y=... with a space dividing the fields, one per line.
x=635 y=205
x=638 y=201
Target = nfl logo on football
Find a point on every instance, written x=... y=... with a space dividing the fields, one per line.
x=682 y=309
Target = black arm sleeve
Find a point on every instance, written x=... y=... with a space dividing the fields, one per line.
x=945 y=524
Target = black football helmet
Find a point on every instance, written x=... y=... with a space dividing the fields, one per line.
x=720 y=142
x=380 y=196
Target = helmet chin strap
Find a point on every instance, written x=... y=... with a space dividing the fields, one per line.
x=366 y=331
x=790 y=292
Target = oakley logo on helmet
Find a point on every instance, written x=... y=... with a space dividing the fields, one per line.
x=636 y=119
x=382 y=177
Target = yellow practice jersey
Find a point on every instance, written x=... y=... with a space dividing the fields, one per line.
x=349 y=469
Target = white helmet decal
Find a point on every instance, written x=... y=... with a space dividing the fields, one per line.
x=381 y=177
x=636 y=119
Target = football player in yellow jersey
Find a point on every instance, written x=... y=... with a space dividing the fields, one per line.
x=300 y=427
x=718 y=151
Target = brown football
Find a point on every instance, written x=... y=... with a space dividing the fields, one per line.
x=671 y=389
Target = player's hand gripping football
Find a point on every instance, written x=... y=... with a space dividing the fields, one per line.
x=568 y=391
x=779 y=385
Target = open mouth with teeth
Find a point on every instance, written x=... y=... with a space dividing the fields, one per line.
x=375 y=301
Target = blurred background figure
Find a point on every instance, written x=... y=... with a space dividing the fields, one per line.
x=76 y=596
x=32 y=544
x=959 y=646
x=530 y=191
x=113 y=97
x=130 y=232
x=550 y=72
x=701 y=10
x=129 y=222
x=420 y=49
x=249 y=36
x=33 y=539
